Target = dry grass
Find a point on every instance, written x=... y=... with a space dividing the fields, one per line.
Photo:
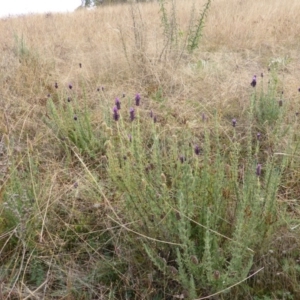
x=241 y=38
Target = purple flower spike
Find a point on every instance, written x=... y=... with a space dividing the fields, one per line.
x=154 y=119
x=118 y=103
x=131 y=112
x=299 y=89
x=253 y=82
x=258 y=170
x=151 y=113
x=70 y=86
x=80 y=65
x=116 y=114
x=137 y=99
x=233 y=122
x=75 y=118
x=197 y=150
x=56 y=85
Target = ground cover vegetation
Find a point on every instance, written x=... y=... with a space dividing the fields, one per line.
x=151 y=151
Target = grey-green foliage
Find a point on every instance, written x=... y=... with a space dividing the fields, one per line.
x=172 y=33
x=72 y=124
x=268 y=105
x=196 y=27
x=211 y=236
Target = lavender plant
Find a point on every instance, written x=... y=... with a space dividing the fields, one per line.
x=183 y=204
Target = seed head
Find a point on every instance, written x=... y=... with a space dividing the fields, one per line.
x=253 y=82
x=194 y=260
x=137 y=99
x=216 y=274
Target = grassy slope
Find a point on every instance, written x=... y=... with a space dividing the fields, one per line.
x=63 y=231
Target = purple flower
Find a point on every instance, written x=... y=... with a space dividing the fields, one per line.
x=253 y=82
x=131 y=112
x=56 y=85
x=197 y=150
x=258 y=136
x=69 y=99
x=258 y=170
x=299 y=89
x=80 y=65
x=154 y=119
x=116 y=114
x=70 y=86
x=75 y=118
x=118 y=103
x=137 y=99
x=204 y=117
x=233 y=122
x=182 y=158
